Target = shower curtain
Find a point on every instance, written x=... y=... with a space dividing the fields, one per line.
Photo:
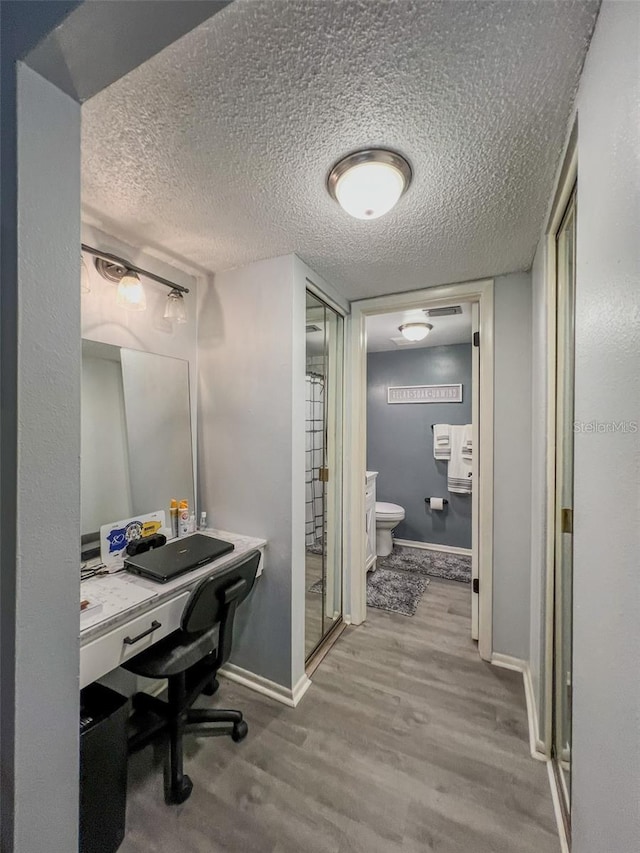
x=314 y=457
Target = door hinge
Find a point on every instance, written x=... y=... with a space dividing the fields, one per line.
x=567 y=520
x=476 y=585
x=323 y=475
x=476 y=339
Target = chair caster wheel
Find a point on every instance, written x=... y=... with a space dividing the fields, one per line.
x=212 y=687
x=240 y=731
x=182 y=794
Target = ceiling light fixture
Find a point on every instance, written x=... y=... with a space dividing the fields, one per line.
x=368 y=183
x=131 y=293
x=415 y=331
x=174 y=309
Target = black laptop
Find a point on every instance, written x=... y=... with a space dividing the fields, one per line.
x=177 y=557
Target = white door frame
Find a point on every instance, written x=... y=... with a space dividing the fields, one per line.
x=566 y=184
x=480 y=292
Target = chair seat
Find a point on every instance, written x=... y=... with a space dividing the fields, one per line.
x=174 y=654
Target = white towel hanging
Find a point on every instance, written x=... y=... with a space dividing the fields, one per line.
x=441 y=441
x=459 y=469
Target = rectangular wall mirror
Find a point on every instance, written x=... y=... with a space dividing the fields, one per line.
x=136 y=435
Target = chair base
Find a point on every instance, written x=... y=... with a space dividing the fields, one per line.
x=176 y=719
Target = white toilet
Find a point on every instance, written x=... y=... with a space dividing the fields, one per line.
x=388 y=517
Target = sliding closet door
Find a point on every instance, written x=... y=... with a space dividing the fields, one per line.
x=563 y=569
x=323 y=475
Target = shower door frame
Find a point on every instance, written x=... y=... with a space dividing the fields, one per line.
x=478 y=292
x=335 y=518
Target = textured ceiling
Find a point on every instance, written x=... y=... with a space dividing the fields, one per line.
x=217 y=149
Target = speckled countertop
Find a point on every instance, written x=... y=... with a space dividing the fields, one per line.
x=123 y=596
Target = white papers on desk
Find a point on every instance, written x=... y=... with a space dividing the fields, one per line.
x=116 y=593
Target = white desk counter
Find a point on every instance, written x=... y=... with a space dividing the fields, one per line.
x=136 y=612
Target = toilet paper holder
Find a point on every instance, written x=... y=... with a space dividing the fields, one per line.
x=444 y=501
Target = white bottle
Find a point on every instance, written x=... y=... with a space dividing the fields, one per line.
x=192 y=523
x=183 y=518
x=203 y=521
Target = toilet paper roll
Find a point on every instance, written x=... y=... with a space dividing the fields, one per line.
x=436 y=503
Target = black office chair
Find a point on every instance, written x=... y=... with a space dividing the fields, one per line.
x=190 y=658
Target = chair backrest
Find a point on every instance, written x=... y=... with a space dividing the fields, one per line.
x=213 y=595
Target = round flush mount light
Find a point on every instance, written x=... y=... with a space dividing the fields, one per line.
x=369 y=183
x=415 y=331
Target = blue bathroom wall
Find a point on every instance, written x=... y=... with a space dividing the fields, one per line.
x=400 y=441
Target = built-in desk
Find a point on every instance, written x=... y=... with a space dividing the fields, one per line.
x=133 y=605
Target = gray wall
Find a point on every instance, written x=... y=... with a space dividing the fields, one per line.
x=512 y=466
x=606 y=694
x=251 y=448
x=40 y=473
x=400 y=440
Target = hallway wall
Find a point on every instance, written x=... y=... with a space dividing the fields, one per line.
x=606 y=691
x=606 y=687
x=251 y=447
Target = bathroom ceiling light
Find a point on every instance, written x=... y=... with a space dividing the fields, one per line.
x=131 y=293
x=415 y=331
x=367 y=184
x=175 y=309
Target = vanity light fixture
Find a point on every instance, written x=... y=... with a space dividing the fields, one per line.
x=131 y=293
x=174 y=309
x=368 y=183
x=415 y=331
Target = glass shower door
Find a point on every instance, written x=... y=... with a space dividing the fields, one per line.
x=323 y=472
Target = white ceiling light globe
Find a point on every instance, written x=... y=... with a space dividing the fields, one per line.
x=415 y=331
x=369 y=190
x=367 y=184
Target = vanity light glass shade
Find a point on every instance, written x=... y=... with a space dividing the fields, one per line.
x=367 y=184
x=85 y=287
x=175 y=309
x=415 y=331
x=131 y=293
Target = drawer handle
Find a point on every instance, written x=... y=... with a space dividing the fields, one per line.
x=129 y=641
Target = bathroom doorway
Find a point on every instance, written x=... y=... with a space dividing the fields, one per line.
x=323 y=474
x=476 y=507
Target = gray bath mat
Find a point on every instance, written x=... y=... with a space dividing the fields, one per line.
x=397 y=592
x=438 y=564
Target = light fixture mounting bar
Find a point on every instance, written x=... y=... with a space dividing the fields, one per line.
x=115 y=259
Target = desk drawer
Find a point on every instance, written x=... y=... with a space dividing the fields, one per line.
x=105 y=653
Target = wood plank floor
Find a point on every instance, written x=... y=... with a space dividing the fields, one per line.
x=406 y=741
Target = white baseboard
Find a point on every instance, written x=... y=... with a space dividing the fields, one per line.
x=555 y=796
x=288 y=696
x=432 y=546
x=536 y=747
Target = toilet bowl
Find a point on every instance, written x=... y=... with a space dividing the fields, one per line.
x=388 y=517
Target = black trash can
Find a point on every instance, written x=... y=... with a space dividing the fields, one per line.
x=103 y=769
